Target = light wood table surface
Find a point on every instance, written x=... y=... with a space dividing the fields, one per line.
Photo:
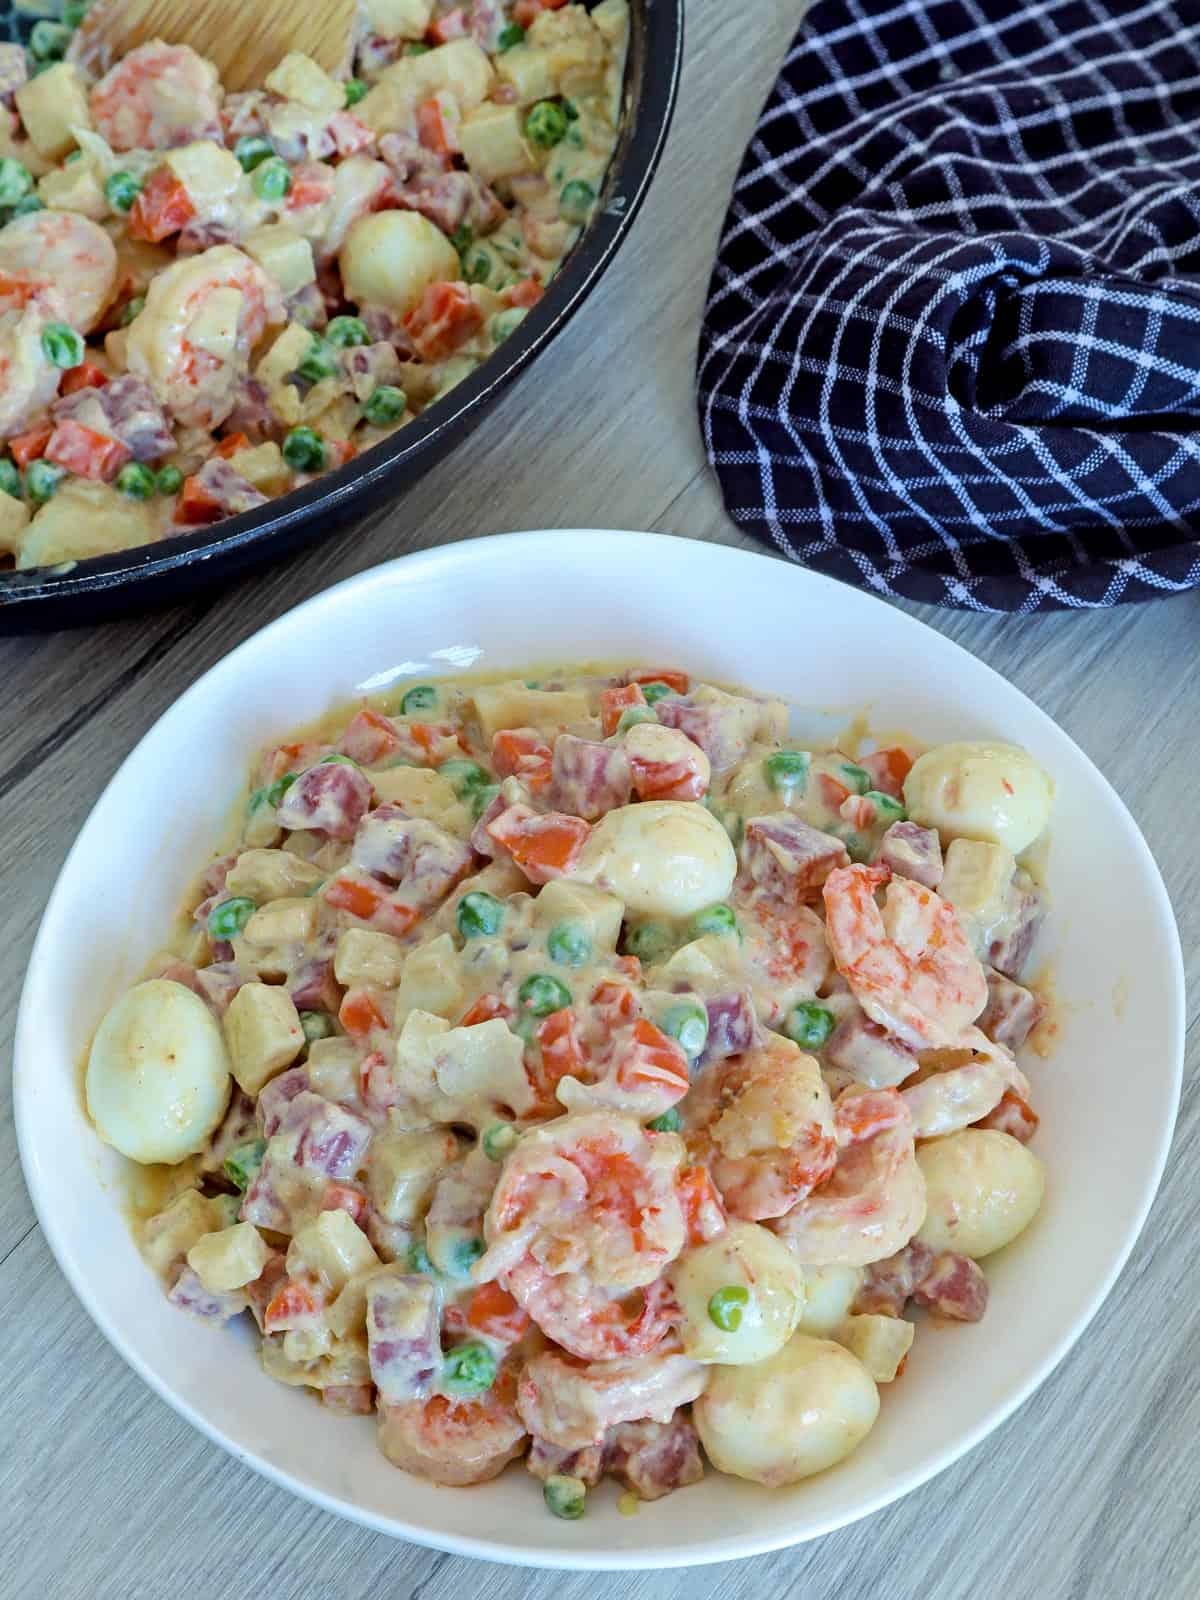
x=1090 y=1492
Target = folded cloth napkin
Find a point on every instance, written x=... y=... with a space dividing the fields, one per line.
x=952 y=343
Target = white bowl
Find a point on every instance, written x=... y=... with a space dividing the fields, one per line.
x=1107 y=1099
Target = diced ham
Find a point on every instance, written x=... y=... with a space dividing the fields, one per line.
x=421 y=860
x=910 y=851
x=1011 y=1013
x=786 y=856
x=349 y=1399
x=277 y=1095
x=313 y=986
x=654 y=1458
x=238 y=1125
x=189 y=1294
x=732 y=1026
x=404 y=1317
x=265 y=1287
x=1013 y=1115
x=331 y=1139
x=589 y=778
x=869 y=1053
x=126 y=411
x=954 y=1287
x=724 y=728
x=546 y=1460
x=217 y=490
x=889 y=1285
x=331 y=797
x=367 y=366
x=1009 y=951
x=14 y=72
x=219 y=983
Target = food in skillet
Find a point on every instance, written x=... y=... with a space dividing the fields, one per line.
x=208 y=299
x=580 y=1070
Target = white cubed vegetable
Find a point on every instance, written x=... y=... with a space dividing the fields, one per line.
x=263 y=875
x=529 y=71
x=263 y=466
x=211 y=174
x=14 y=519
x=982 y=789
x=403 y=1170
x=348 y=1313
x=599 y=913
x=765 y=1277
x=229 y=1259
x=880 y=1343
x=333 y=1248
x=263 y=1033
x=431 y=980
x=298 y=77
x=158 y=1073
x=51 y=106
x=424 y=793
x=284 y=356
x=492 y=140
x=398 y=19
x=977 y=881
x=828 y=1295
x=283 y=255
x=167 y=1237
x=611 y=17
x=982 y=1188
x=390 y=258
x=332 y=1067
x=363 y=956
x=87 y=518
x=462 y=1074
x=512 y=705
x=661 y=858
x=575 y=48
x=76 y=187
x=290 y=920
x=460 y=67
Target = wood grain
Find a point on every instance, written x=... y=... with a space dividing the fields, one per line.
x=1085 y=1494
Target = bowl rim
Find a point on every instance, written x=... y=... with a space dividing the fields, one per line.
x=529 y=546
x=649 y=106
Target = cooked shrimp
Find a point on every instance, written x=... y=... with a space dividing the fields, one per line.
x=786 y=953
x=952 y=1099
x=455 y=1441
x=909 y=965
x=764 y=1127
x=573 y=1404
x=28 y=379
x=61 y=258
x=202 y=318
x=157 y=97
x=875 y=1200
x=591 y=1322
x=646 y=1073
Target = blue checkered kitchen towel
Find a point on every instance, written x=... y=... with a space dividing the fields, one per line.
x=952 y=344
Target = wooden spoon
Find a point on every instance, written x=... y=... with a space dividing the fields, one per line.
x=244 y=39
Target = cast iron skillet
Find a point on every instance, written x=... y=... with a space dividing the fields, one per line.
x=176 y=568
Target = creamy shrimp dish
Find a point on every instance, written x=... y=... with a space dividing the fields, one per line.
x=580 y=1070
x=206 y=299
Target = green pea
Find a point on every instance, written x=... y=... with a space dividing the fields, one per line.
x=858 y=778
x=887 y=809
x=252 y=151
x=42 y=479
x=576 y=201
x=479 y=915
x=498 y=1140
x=669 y=1122
x=241 y=1165
x=319 y=362
x=565 y=1497
x=273 y=793
x=570 y=110
x=649 y=942
x=133 y=308
x=227 y=1207
x=569 y=944
x=726 y=1306
x=169 y=480
x=121 y=189
x=10 y=478
x=347 y=333
x=462 y=238
x=541 y=994
x=468 y=1370
x=74 y=12
x=48 y=41
x=356 y=90
x=385 y=405
x=304 y=450
x=62 y=346
x=505 y=323
x=546 y=124
x=858 y=847
x=336 y=758
x=787 y=770
x=271 y=180
x=16 y=181
x=466 y=776
x=809 y=1025
x=632 y=715
x=230 y=917
x=26 y=204
x=464 y=1255
x=719 y=919
x=137 y=481
x=316 y=1025
x=422 y=697
x=477 y=264
x=654 y=692
x=687 y=1024
x=418 y=1259
x=513 y=34
x=481 y=799
x=417 y=49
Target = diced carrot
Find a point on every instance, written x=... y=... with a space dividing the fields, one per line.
x=703 y=1212
x=340 y=451
x=161 y=209
x=87 y=375
x=679 y=681
x=30 y=446
x=434 y=129
x=858 y=811
x=231 y=444
x=666 y=780
x=524 y=294
x=196 y=504
x=450 y=25
x=344 y=1197
x=493 y=1312
x=430 y=735
x=294 y=1302
x=544 y=847
x=350 y=134
x=523 y=753
x=370 y=901
x=652 y=1060
x=562 y=1053
x=631 y=966
x=359 y=1014
x=446 y=318
x=85 y=452
x=832 y=791
x=615 y=1005
x=615 y=701
x=527 y=12
x=369 y=738
x=312 y=185
x=486 y=1009
x=888 y=769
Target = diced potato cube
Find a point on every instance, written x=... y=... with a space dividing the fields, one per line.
x=599 y=913
x=493 y=142
x=431 y=980
x=529 y=72
x=348 y=1313
x=263 y=466
x=332 y=1248
x=14 y=519
x=283 y=255
x=977 y=882
x=460 y=67
x=424 y=793
x=87 y=518
x=398 y=19
x=262 y=1033
x=229 y=1259
x=211 y=174
x=611 y=17
x=462 y=1074
x=284 y=356
x=512 y=705
x=336 y=418
x=288 y=921
x=306 y=1344
x=74 y=188
x=364 y=956
x=403 y=1170
x=167 y=1237
x=880 y=1343
x=575 y=47
x=298 y=77
x=263 y=875
x=332 y=1068
x=51 y=105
